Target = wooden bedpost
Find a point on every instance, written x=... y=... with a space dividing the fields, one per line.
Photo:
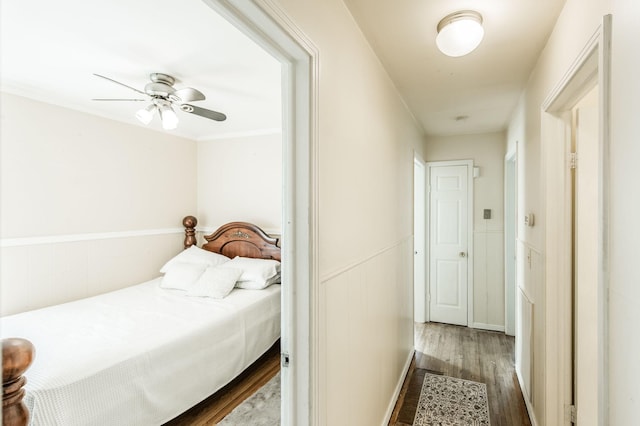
x=189 y=223
x=17 y=355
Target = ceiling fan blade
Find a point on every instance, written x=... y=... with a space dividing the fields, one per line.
x=121 y=84
x=188 y=94
x=128 y=100
x=203 y=112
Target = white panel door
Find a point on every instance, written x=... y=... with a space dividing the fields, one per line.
x=448 y=257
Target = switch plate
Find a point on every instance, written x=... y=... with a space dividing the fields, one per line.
x=529 y=219
x=487 y=213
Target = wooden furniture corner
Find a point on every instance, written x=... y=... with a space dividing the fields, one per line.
x=17 y=355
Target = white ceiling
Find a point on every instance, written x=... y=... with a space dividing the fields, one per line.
x=484 y=85
x=50 y=50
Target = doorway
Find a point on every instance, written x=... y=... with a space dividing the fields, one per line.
x=576 y=246
x=510 y=235
x=585 y=130
x=420 y=310
x=450 y=246
x=267 y=25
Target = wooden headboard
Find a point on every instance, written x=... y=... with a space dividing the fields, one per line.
x=235 y=239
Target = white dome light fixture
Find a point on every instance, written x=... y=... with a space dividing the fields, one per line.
x=460 y=33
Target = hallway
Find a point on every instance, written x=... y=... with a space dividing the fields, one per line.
x=471 y=354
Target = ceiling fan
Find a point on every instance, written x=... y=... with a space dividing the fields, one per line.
x=163 y=97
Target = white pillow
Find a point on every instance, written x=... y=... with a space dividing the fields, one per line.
x=181 y=275
x=215 y=282
x=256 y=273
x=254 y=285
x=195 y=254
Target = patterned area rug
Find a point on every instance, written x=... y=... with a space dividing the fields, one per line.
x=447 y=401
x=260 y=409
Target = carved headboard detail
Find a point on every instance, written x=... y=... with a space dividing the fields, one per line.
x=235 y=239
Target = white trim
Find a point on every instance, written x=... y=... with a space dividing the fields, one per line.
x=592 y=66
x=329 y=276
x=396 y=392
x=72 y=238
x=420 y=194
x=556 y=298
x=470 y=229
x=267 y=24
x=238 y=135
x=510 y=257
x=530 y=410
x=489 y=327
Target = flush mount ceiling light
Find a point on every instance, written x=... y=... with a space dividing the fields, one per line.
x=460 y=33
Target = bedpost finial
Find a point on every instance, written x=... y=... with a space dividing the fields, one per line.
x=190 y=223
x=17 y=355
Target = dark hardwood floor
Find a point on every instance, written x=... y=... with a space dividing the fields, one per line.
x=466 y=353
x=216 y=407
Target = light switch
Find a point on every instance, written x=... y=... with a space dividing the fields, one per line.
x=529 y=219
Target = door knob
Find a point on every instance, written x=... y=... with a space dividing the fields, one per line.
x=463 y=254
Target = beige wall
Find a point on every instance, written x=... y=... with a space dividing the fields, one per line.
x=487 y=152
x=67 y=172
x=91 y=205
x=575 y=26
x=625 y=203
x=367 y=140
x=90 y=189
x=240 y=179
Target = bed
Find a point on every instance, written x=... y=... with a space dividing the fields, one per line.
x=144 y=354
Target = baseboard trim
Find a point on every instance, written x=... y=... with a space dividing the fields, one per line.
x=396 y=393
x=490 y=327
x=527 y=403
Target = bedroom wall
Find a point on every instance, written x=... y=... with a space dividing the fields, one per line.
x=87 y=204
x=366 y=142
x=487 y=152
x=240 y=179
x=574 y=27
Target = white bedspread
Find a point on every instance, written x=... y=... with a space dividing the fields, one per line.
x=142 y=355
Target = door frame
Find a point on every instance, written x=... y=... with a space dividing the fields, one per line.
x=269 y=26
x=470 y=217
x=420 y=302
x=510 y=201
x=591 y=67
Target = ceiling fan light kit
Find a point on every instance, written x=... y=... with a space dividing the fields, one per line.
x=145 y=115
x=163 y=96
x=168 y=117
x=460 y=33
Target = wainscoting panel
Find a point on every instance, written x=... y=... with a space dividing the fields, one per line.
x=37 y=275
x=367 y=316
x=523 y=343
x=488 y=280
x=530 y=342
